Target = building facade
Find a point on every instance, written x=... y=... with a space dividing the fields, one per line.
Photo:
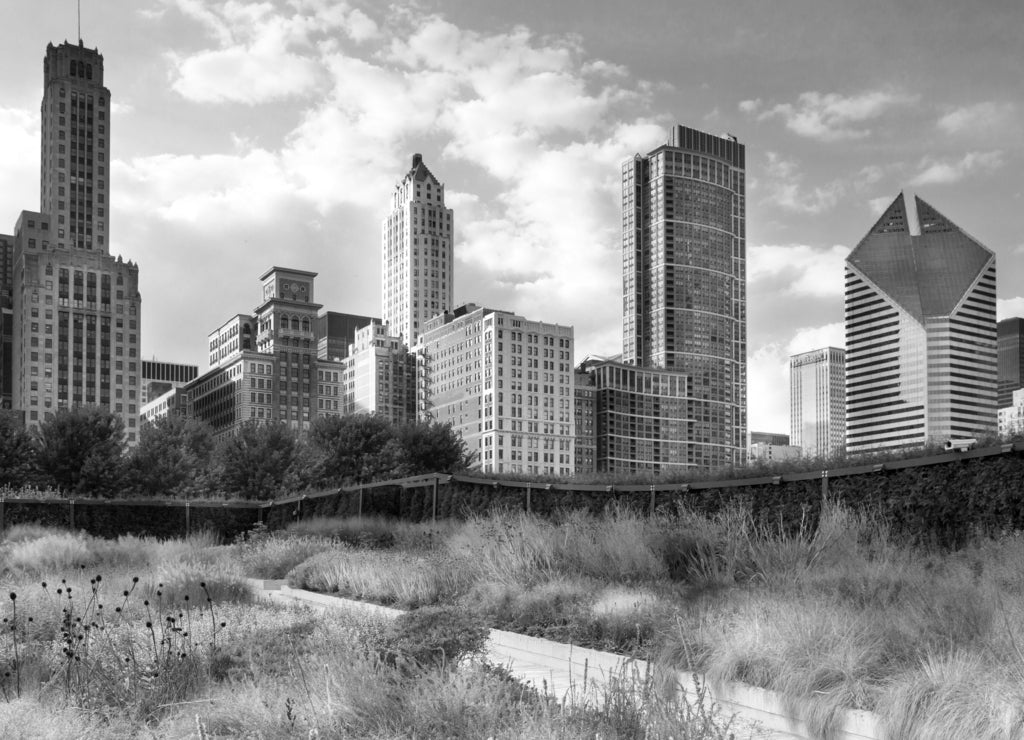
x=817 y=401
x=920 y=332
x=1011 y=416
x=769 y=452
x=505 y=385
x=684 y=286
x=640 y=418
x=336 y=332
x=1010 y=344
x=585 y=413
x=418 y=254
x=379 y=376
x=265 y=367
x=6 y=321
x=74 y=311
x=160 y=377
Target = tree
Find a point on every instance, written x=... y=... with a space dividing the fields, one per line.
x=353 y=449
x=174 y=457
x=17 y=451
x=80 y=451
x=261 y=460
x=428 y=447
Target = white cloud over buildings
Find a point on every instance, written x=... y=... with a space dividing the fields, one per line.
x=831 y=117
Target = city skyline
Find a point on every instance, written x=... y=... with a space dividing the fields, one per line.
x=275 y=136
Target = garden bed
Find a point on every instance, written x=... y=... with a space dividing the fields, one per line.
x=832 y=618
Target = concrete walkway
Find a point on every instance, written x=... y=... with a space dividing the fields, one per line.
x=578 y=675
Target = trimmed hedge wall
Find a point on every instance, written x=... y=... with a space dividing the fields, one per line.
x=942 y=500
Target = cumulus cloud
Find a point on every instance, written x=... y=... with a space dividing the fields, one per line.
x=831 y=116
x=815 y=337
x=804 y=270
x=981 y=118
x=877 y=206
x=768 y=375
x=944 y=171
x=783 y=185
x=541 y=127
x=1008 y=308
x=262 y=55
x=19 y=151
x=211 y=190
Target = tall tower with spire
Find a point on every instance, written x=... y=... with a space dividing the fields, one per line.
x=76 y=310
x=75 y=158
x=418 y=254
x=920 y=332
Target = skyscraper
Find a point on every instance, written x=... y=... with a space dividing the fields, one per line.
x=75 y=155
x=76 y=310
x=684 y=284
x=817 y=401
x=418 y=254
x=920 y=332
x=1010 y=341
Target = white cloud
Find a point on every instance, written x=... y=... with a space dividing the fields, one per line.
x=212 y=191
x=768 y=375
x=808 y=271
x=815 y=337
x=981 y=118
x=878 y=205
x=768 y=389
x=783 y=183
x=262 y=55
x=944 y=172
x=19 y=151
x=1008 y=308
x=831 y=116
x=247 y=75
x=750 y=106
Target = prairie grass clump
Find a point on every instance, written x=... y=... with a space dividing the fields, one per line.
x=954 y=695
x=274 y=556
x=402 y=579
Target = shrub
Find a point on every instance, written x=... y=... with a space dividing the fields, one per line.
x=434 y=636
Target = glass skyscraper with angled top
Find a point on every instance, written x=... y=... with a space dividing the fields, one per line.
x=920 y=332
x=684 y=298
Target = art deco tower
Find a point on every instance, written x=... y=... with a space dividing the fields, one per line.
x=417 y=254
x=75 y=154
x=76 y=310
x=920 y=332
x=684 y=283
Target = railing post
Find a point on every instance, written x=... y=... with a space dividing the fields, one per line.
x=824 y=483
x=360 y=502
x=652 y=500
x=529 y=503
x=188 y=519
x=2 y=523
x=71 y=514
x=434 y=502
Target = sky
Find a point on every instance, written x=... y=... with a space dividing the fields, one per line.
x=246 y=135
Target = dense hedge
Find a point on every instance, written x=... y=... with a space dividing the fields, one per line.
x=108 y=518
x=943 y=500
